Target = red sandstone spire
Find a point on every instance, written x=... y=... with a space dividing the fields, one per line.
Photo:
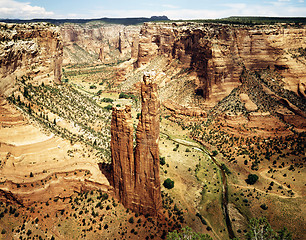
x=136 y=177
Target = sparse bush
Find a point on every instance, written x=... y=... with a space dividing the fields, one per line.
x=107 y=100
x=108 y=107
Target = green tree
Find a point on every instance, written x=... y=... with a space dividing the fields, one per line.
x=187 y=233
x=252 y=179
x=284 y=234
x=260 y=229
x=168 y=183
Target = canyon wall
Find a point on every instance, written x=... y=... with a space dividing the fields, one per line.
x=218 y=53
x=109 y=43
x=35 y=50
x=136 y=176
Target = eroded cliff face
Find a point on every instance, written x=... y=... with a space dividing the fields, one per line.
x=123 y=154
x=147 y=182
x=136 y=176
x=35 y=50
x=109 y=43
x=218 y=53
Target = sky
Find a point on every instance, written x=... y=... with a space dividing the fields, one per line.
x=174 y=9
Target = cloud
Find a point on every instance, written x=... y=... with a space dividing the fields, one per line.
x=23 y=10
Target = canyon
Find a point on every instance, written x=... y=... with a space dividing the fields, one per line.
x=84 y=119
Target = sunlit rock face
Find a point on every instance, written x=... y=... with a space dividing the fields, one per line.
x=136 y=176
x=104 y=43
x=218 y=53
x=33 y=49
x=122 y=154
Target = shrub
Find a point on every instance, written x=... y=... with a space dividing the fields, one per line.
x=108 y=107
x=252 y=179
x=201 y=218
x=168 y=183
x=162 y=160
x=107 y=100
x=29 y=232
x=92 y=87
x=3 y=231
x=264 y=206
x=131 y=220
x=214 y=153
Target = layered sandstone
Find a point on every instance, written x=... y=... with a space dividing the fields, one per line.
x=34 y=50
x=136 y=176
x=186 y=111
x=91 y=42
x=122 y=154
x=218 y=53
x=147 y=182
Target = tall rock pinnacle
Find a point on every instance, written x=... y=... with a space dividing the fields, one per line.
x=136 y=176
x=147 y=182
x=122 y=154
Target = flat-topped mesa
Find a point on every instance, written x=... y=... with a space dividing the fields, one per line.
x=122 y=154
x=147 y=183
x=136 y=177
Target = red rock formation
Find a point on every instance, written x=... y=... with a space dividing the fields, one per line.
x=193 y=112
x=147 y=184
x=109 y=43
x=217 y=52
x=33 y=49
x=136 y=177
x=122 y=154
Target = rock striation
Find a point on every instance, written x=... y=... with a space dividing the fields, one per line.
x=136 y=176
x=218 y=52
x=122 y=154
x=34 y=49
x=147 y=182
x=109 y=43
